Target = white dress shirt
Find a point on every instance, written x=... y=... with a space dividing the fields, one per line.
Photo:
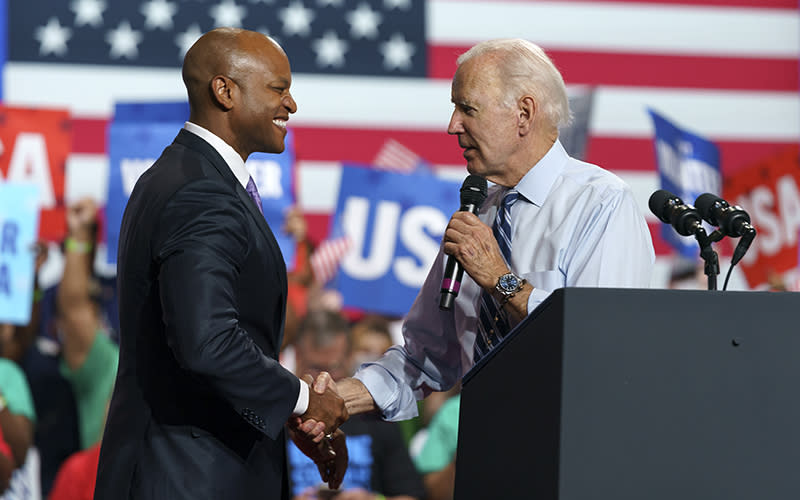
x=236 y=164
x=575 y=225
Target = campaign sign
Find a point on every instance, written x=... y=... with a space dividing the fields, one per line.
x=34 y=145
x=395 y=223
x=688 y=166
x=19 y=225
x=161 y=112
x=273 y=176
x=769 y=190
x=132 y=148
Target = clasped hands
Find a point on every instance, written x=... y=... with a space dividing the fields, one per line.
x=316 y=432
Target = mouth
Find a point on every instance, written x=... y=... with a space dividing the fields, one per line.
x=280 y=123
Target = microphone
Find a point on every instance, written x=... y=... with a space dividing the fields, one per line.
x=671 y=210
x=733 y=221
x=473 y=192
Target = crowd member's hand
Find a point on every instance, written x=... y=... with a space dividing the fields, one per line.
x=330 y=455
x=41 y=251
x=295 y=224
x=81 y=219
x=324 y=407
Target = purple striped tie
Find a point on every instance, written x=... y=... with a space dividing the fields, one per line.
x=252 y=190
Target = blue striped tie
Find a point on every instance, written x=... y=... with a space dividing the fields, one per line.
x=492 y=321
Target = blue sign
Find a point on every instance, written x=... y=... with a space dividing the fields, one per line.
x=688 y=166
x=304 y=473
x=132 y=148
x=273 y=176
x=138 y=135
x=164 y=112
x=19 y=226
x=395 y=224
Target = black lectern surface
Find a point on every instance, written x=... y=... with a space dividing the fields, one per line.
x=638 y=394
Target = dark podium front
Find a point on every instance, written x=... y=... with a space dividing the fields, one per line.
x=638 y=394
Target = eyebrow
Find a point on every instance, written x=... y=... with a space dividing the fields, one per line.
x=463 y=102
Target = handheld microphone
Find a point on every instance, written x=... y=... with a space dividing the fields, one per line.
x=733 y=221
x=671 y=210
x=473 y=192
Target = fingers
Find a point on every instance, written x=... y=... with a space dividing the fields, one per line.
x=335 y=474
x=465 y=229
x=325 y=405
x=323 y=382
x=312 y=429
x=339 y=444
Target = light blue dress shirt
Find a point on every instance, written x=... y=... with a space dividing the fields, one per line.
x=575 y=225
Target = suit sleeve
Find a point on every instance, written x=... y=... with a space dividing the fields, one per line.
x=203 y=243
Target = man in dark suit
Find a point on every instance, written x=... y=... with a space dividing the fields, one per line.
x=200 y=402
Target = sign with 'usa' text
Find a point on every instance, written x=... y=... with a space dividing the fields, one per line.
x=19 y=224
x=395 y=224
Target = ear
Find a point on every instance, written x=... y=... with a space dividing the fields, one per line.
x=222 y=91
x=526 y=112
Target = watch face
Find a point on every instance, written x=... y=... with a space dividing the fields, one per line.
x=509 y=282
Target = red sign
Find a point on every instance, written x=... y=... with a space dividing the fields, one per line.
x=34 y=144
x=770 y=192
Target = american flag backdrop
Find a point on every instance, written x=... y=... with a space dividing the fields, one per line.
x=369 y=71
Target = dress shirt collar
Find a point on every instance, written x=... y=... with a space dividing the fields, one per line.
x=536 y=184
x=231 y=157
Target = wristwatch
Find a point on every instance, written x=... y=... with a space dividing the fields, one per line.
x=508 y=285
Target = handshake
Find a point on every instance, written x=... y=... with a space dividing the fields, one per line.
x=316 y=432
x=326 y=411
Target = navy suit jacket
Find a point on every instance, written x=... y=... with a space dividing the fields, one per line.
x=200 y=400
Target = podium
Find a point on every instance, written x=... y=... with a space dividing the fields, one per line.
x=638 y=394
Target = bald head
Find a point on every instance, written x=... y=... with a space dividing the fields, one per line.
x=231 y=52
x=238 y=85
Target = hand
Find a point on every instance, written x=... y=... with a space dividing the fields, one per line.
x=81 y=219
x=330 y=455
x=40 y=250
x=332 y=471
x=356 y=396
x=473 y=244
x=325 y=407
x=295 y=224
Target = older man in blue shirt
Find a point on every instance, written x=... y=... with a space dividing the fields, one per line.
x=549 y=221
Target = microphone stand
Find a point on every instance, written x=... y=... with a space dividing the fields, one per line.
x=709 y=256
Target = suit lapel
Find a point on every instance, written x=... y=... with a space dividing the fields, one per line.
x=196 y=143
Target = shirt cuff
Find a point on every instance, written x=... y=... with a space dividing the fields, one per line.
x=302 y=400
x=394 y=399
x=536 y=297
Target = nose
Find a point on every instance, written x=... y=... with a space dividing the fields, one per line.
x=455 y=126
x=289 y=103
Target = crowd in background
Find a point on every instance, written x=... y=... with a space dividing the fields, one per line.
x=57 y=375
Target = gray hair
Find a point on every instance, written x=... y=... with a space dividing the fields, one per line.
x=527 y=70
